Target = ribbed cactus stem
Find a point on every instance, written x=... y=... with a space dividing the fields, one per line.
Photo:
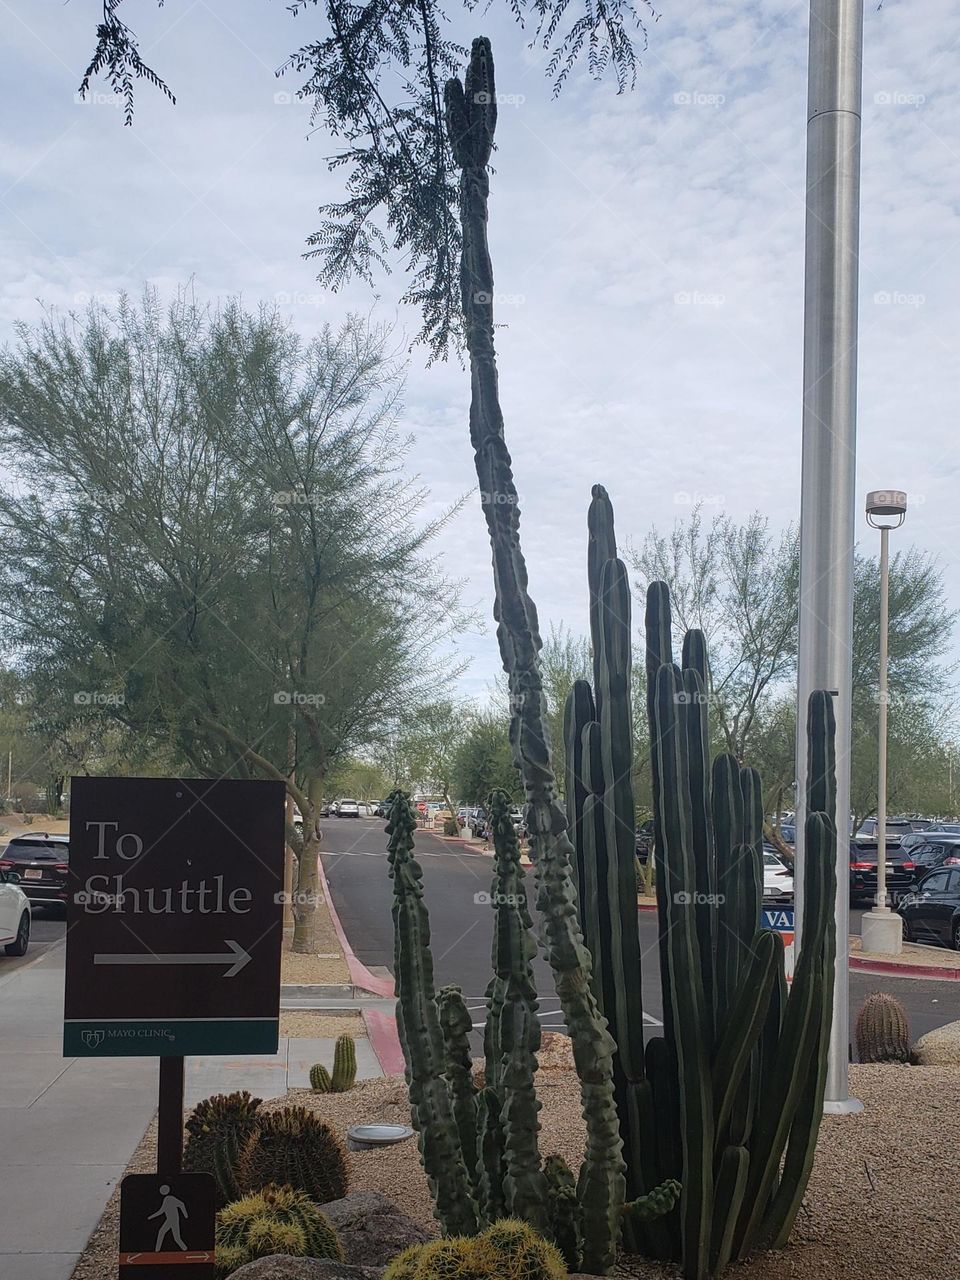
x=471 y=114
x=456 y=1025
x=882 y=1030
x=418 y=1024
x=320 y=1081
x=344 y=1064
x=513 y=951
x=690 y=1018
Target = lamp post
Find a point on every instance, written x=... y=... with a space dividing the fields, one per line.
x=881 y=929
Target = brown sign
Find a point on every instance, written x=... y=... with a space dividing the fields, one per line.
x=174 y=918
x=167 y=1226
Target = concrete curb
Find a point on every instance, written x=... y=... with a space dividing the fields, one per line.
x=360 y=975
x=890 y=969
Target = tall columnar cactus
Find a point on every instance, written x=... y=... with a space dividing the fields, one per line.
x=418 y=1024
x=882 y=1030
x=750 y=1062
x=471 y=115
x=725 y=1105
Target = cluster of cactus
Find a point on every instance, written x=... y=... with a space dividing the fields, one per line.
x=507 y=1250
x=344 y=1069
x=728 y=1099
x=218 y=1129
x=294 y=1148
x=275 y=1219
x=727 y=1102
x=480 y=1146
x=882 y=1031
x=246 y=1149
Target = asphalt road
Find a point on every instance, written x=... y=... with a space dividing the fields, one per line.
x=456 y=881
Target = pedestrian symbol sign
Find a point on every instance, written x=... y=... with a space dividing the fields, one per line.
x=168 y=1226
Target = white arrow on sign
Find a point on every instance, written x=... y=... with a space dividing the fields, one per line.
x=237 y=960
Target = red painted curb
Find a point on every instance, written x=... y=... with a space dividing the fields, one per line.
x=360 y=975
x=646 y=906
x=382 y=1032
x=888 y=967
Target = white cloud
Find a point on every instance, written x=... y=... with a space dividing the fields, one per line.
x=648 y=247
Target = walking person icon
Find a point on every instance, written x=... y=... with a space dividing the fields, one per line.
x=170 y=1210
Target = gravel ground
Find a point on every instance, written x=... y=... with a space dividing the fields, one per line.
x=313 y=1025
x=875 y=1207
x=327 y=966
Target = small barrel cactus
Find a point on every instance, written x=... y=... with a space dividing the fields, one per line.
x=512 y=1250
x=344 y=1064
x=882 y=1031
x=218 y=1129
x=320 y=1081
x=273 y=1220
x=294 y=1148
x=508 y=1250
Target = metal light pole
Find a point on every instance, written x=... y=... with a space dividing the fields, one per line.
x=828 y=496
x=881 y=930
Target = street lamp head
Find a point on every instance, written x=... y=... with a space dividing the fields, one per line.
x=886 y=508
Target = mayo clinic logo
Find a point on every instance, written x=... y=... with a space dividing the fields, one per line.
x=93 y=1038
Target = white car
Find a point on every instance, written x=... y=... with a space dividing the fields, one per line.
x=348 y=809
x=777 y=880
x=14 y=915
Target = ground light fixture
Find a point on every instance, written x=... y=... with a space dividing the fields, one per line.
x=881 y=928
x=367 y=1137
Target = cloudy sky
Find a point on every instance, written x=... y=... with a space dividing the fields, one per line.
x=648 y=251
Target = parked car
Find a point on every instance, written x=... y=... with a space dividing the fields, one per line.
x=777 y=878
x=788 y=833
x=931 y=910
x=40 y=860
x=936 y=851
x=477 y=822
x=14 y=914
x=863 y=871
x=643 y=841
x=348 y=809
x=897 y=827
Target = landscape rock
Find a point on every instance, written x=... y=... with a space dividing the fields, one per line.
x=940 y=1047
x=555 y=1053
x=371 y=1228
x=281 y=1266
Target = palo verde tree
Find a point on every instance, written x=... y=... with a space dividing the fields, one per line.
x=224 y=552
x=739 y=583
x=374 y=72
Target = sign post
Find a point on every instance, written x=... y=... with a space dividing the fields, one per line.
x=174 y=931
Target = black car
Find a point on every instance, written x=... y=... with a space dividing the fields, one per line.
x=931 y=911
x=895 y=827
x=643 y=838
x=937 y=850
x=901 y=871
x=40 y=860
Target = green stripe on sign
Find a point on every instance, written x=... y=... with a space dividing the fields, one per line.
x=169 y=1038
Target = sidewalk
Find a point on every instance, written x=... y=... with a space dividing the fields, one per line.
x=68 y=1126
